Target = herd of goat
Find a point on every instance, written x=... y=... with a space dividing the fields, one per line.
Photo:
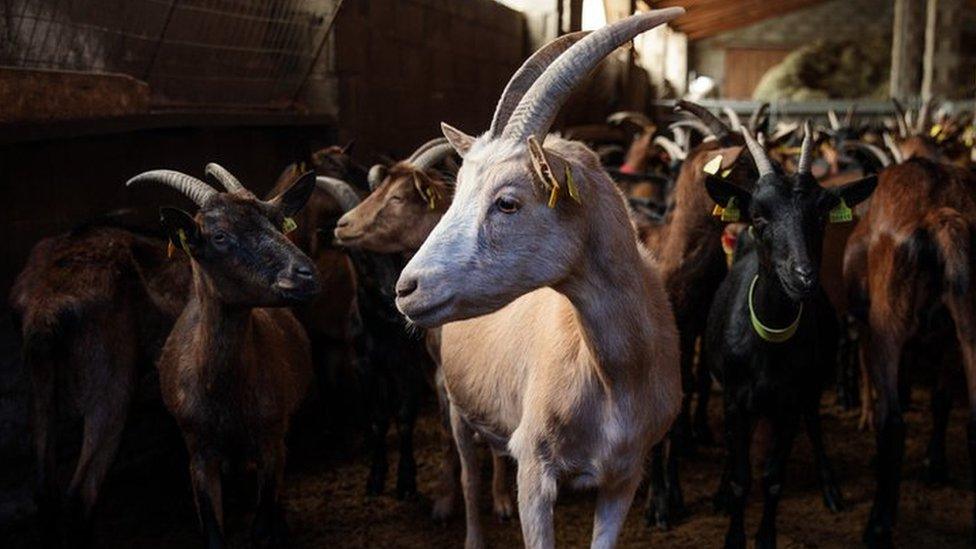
x=571 y=301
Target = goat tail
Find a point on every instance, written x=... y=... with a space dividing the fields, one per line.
x=952 y=237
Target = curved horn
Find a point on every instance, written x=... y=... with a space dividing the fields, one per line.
x=526 y=75
x=194 y=189
x=715 y=126
x=682 y=137
x=806 y=149
x=834 y=121
x=924 y=116
x=757 y=116
x=873 y=150
x=759 y=157
x=733 y=118
x=224 y=177
x=900 y=118
x=376 y=175
x=537 y=109
x=432 y=156
x=672 y=148
x=893 y=148
x=339 y=190
x=849 y=116
x=637 y=118
x=696 y=125
x=432 y=143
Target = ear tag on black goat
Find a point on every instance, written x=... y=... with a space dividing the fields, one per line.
x=288 y=225
x=182 y=236
x=571 y=186
x=713 y=165
x=731 y=211
x=841 y=213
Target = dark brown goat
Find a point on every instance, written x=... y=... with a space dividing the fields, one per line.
x=94 y=307
x=236 y=365
x=909 y=266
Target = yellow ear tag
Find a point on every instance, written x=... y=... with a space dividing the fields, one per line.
x=541 y=167
x=936 y=130
x=431 y=199
x=713 y=165
x=717 y=211
x=726 y=172
x=731 y=211
x=288 y=225
x=841 y=213
x=571 y=185
x=182 y=234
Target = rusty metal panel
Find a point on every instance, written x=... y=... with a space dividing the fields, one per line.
x=193 y=53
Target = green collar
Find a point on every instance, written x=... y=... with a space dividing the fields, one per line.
x=773 y=335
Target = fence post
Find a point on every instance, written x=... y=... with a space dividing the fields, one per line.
x=318 y=52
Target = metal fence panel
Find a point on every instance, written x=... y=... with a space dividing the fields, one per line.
x=208 y=53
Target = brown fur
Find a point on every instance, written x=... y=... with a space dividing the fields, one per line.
x=93 y=305
x=911 y=254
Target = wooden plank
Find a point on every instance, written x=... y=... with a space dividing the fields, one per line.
x=709 y=17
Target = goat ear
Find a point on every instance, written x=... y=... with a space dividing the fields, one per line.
x=459 y=140
x=733 y=201
x=426 y=189
x=181 y=228
x=855 y=192
x=293 y=199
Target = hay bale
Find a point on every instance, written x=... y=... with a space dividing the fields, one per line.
x=828 y=69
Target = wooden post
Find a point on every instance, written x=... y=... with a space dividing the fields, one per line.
x=907 y=46
x=943 y=53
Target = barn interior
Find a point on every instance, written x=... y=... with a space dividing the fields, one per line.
x=96 y=91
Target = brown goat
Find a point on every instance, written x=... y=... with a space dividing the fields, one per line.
x=236 y=365
x=909 y=265
x=94 y=307
x=396 y=218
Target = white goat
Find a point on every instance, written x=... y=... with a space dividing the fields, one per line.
x=573 y=367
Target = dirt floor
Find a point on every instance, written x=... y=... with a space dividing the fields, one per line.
x=147 y=503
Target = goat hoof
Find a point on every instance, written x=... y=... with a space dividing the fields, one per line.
x=443 y=509
x=375 y=483
x=406 y=489
x=659 y=515
x=936 y=472
x=736 y=540
x=504 y=508
x=832 y=499
x=877 y=536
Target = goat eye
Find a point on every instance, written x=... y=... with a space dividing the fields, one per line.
x=759 y=223
x=506 y=204
x=220 y=238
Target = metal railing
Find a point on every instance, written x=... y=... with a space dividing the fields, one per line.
x=227 y=53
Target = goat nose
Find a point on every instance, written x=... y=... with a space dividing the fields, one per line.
x=406 y=286
x=805 y=274
x=304 y=271
x=343 y=222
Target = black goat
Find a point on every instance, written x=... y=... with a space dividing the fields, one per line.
x=776 y=374
x=393 y=365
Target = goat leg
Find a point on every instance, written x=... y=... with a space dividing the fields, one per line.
x=612 y=504
x=269 y=527
x=741 y=479
x=784 y=431
x=447 y=491
x=406 y=419
x=936 y=465
x=501 y=494
x=464 y=439
x=825 y=473
x=205 y=476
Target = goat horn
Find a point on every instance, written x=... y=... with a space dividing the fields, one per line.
x=759 y=157
x=834 y=121
x=637 y=118
x=696 y=125
x=714 y=125
x=682 y=137
x=672 y=148
x=924 y=114
x=538 y=107
x=873 y=150
x=194 y=189
x=757 y=116
x=376 y=175
x=806 y=149
x=900 y=118
x=432 y=156
x=432 y=143
x=734 y=120
x=526 y=75
x=893 y=148
x=224 y=177
x=339 y=190
x=849 y=116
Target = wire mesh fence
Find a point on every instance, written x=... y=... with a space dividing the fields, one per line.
x=223 y=53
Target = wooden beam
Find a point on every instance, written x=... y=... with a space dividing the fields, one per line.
x=709 y=17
